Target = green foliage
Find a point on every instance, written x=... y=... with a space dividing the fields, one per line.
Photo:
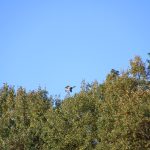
x=109 y=116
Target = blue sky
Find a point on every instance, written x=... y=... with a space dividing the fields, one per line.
x=53 y=43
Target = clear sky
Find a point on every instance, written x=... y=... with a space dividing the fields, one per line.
x=53 y=43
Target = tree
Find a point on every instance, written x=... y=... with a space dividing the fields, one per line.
x=112 y=115
x=138 y=69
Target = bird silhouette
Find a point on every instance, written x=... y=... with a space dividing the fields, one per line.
x=69 y=88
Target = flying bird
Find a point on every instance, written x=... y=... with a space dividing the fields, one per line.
x=69 y=88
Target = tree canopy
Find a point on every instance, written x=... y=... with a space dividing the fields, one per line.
x=111 y=115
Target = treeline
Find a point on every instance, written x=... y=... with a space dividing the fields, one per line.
x=114 y=115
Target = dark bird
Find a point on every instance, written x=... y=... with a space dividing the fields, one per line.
x=69 y=88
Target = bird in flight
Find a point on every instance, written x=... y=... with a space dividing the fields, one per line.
x=69 y=88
